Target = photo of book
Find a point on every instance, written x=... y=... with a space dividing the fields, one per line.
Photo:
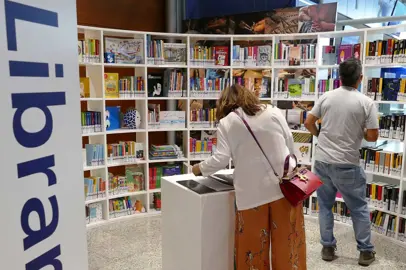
x=84 y=87
x=175 y=53
x=111 y=85
x=294 y=57
x=222 y=55
x=344 y=52
x=155 y=85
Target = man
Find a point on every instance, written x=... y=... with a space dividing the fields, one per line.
x=347 y=117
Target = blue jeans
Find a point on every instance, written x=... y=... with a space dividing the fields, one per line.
x=350 y=181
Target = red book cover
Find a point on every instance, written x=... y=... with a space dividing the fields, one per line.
x=221 y=55
x=379 y=187
x=97 y=47
x=154 y=178
x=150 y=177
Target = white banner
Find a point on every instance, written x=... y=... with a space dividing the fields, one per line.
x=42 y=222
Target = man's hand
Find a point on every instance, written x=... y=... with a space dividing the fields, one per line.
x=196 y=170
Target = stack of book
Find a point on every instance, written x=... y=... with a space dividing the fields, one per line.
x=124 y=152
x=131 y=87
x=94 y=154
x=332 y=55
x=390 y=89
x=158 y=152
x=160 y=53
x=202 y=148
x=377 y=161
x=203 y=118
x=383 y=223
x=209 y=56
x=392 y=126
x=383 y=196
x=295 y=55
x=385 y=51
x=89 y=51
x=157 y=172
x=95 y=188
x=252 y=56
x=295 y=88
x=91 y=122
x=328 y=85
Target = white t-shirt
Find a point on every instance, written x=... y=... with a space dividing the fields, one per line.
x=254 y=181
x=345 y=113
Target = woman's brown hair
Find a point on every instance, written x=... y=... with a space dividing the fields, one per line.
x=237 y=96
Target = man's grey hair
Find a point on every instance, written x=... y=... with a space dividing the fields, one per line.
x=350 y=71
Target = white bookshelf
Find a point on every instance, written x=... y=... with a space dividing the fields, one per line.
x=97 y=100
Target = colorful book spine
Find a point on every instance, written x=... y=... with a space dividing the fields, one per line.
x=91 y=122
x=377 y=161
x=125 y=152
x=131 y=86
x=95 y=187
x=383 y=196
x=385 y=89
x=328 y=85
x=392 y=126
x=157 y=172
x=89 y=51
x=203 y=115
x=295 y=55
x=385 y=51
x=203 y=87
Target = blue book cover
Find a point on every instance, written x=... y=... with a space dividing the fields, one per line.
x=113 y=118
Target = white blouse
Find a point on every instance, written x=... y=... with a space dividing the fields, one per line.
x=254 y=180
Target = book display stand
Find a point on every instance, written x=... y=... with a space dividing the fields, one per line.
x=140 y=70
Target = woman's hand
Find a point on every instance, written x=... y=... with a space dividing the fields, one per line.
x=196 y=170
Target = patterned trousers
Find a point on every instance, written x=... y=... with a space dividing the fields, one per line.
x=277 y=226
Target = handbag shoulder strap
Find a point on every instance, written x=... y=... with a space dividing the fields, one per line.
x=286 y=165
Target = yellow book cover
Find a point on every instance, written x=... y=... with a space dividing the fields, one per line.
x=84 y=87
x=367 y=49
x=373 y=191
x=111 y=85
x=380 y=85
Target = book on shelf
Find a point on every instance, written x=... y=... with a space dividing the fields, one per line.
x=209 y=55
x=132 y=181
x=158 y=152
x=291 y=87
x=113 y=117
x=131 y=87
x=385 y=51
x=153 y=115
x=156 y=201
x=294 y=55
x=392 y=126
x=302 y=146
x=332 y=55
x=383 y=223
x=202 y=148
x=124 y=152
x=258 y=81
x=94 y=154
x=401 y=230
x=125 y=50
x=157 y=172
x=385 y=89
x=174 y=83
x=174 y=53
x=328 y=85
x=111 y=85
x=84 y=87
x=203 y=118
x=155 y=85
x=94 y=212
x=89 y=51
x=171 y=119
x=160 y=52
x=251 y=56
x=383 y=196
x=208 y=83
x=95 y=188
x=340 y=210
x=378 y=161
x=124 y=207
x=91 y=122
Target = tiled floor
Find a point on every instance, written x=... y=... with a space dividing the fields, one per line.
x=135 y=244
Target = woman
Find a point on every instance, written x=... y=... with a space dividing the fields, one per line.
x=264 y=218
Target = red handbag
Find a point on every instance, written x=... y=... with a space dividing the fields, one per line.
x=296 y=186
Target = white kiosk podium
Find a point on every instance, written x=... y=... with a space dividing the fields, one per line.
x=197 y=229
